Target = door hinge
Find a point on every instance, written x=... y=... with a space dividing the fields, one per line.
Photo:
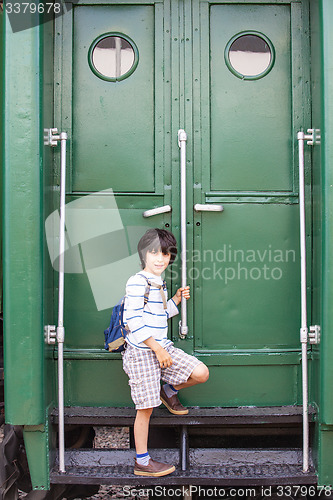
x=314 y=334
x=50 y=334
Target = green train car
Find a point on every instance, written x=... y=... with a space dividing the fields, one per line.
x=203 y=117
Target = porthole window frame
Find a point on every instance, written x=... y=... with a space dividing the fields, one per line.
x=237 y=73
x=109 y=78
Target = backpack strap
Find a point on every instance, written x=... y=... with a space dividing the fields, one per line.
x=120 y=316
x=160 y=287
x=147 y=289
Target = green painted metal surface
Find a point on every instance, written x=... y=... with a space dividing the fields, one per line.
x=36 y=442
x=250 y=128
x=23 y=292
x=240 y=153
x=29 y=278
x=50 y=161
x=84 y=322
x=109 y=153
x=322 y=15
x=1 y=138
x=47 y=440
x=248 y=291
x=317 y=121
x=235 y=380
x=248 y=296
x=325 y=455
x=327 y=158
x=126 y=149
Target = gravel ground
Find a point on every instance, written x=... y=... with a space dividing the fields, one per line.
x=106 y=437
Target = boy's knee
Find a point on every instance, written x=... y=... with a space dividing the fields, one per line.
x=145 y=411
x=201 y=373
x=205 y=373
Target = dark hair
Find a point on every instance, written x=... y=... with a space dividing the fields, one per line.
x=158 y=240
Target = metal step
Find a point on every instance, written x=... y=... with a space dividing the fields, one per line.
x=207 y=466
x=244 y=415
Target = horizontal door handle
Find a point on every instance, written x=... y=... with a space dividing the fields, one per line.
x=198 y=207
x=157 y=211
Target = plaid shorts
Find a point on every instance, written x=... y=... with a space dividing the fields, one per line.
x=145 y=373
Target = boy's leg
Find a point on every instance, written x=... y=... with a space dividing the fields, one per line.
x=144 y=374
x=144 y=465
x=141 y=429
x=199 y=375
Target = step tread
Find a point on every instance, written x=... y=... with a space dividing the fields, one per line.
x=196 y=416
x=207 y=466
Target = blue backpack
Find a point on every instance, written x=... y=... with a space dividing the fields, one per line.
x=116 y=332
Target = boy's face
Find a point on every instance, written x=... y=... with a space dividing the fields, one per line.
x=156 y=262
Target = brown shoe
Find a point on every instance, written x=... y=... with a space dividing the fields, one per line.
x=173 y=404
x=153 y=469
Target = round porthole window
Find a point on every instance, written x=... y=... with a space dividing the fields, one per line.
x=249 y=55
x=113 y=57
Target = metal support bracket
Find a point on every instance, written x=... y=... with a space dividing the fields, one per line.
x=304 y=335
x=60 y=334
x=182 y=136
x=314 y=334
x=50 y=334
x=52 y=136
x=312 y=138
x=183 y=331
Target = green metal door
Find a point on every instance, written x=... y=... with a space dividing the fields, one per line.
x=113 y=100
x=249 y=102
x=231 y=74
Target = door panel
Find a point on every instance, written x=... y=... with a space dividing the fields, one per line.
x=250 y=120
x=113 y=122
x=247 y=273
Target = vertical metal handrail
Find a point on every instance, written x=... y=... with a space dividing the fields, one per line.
x=60 y=328
x=182 y=138
x=301 y=137
x=51 y=138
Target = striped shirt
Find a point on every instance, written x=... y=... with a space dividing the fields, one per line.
x=150 y=320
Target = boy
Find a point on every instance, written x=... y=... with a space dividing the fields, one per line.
x=149 y=354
